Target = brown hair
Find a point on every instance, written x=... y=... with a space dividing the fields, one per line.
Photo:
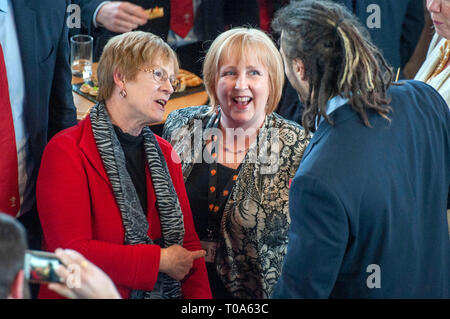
x=240 y=43
x=127 y=52
x=338 y=56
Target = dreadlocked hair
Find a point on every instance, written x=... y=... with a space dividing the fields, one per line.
x=338 y=56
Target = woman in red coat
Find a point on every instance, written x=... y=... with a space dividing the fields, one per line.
x=112 y=190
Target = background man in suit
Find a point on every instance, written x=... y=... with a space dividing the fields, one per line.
x=105 y=19
x=36 y=96
x=368 y=202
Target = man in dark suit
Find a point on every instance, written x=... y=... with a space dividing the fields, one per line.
x=368 y=202
x=36 y=55
x=103 y=20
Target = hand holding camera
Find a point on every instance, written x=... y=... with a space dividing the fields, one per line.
x=69 y=274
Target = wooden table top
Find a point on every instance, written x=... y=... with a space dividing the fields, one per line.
x=83 y=105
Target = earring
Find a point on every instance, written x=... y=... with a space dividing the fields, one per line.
x=123 y=93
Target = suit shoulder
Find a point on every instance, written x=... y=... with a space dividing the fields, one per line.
x=410 y=86
x=422 y=93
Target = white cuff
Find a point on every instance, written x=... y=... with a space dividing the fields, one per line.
x=94 y=17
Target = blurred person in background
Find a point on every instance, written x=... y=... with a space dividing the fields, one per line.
x=435 y=70
x=35 y=99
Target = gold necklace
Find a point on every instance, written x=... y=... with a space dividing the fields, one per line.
x=234 y=152
x=445 y=55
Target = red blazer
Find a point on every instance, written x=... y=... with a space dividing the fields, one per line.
x=78 y=210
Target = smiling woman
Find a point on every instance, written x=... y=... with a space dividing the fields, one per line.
x=237 y=178
x=122 y=194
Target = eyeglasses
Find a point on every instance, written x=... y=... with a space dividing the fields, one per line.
x=161 y=77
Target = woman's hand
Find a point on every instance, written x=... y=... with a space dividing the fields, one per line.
x=82 y=279
x=177 y=261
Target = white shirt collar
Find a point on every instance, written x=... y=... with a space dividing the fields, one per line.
x=4 y=6
x=333 y=104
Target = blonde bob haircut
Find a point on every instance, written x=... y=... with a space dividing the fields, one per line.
x=126 y=53
x=241 y=43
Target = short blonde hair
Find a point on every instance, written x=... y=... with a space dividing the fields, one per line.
x=241 y=43
x=127 y=52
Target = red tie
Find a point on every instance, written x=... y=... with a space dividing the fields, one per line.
x=181 y=16
x=9 y=187
x=265 y=12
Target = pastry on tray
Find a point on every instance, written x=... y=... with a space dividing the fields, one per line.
x=88 y=89
x=85 y=88
x=94 y=91
x=188 y=79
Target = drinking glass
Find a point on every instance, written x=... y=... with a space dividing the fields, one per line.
x=81 y=56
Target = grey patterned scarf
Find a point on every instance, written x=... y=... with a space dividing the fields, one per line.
x=134 y=219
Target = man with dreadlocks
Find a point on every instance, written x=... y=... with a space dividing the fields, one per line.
x=368 y=202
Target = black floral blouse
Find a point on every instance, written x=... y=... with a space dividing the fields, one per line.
x=255 y=222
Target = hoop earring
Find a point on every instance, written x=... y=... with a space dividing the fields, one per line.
x=123 y=93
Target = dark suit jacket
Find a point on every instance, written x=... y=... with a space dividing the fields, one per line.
x=373 y=196
x=44 y=47
x=401 y=25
